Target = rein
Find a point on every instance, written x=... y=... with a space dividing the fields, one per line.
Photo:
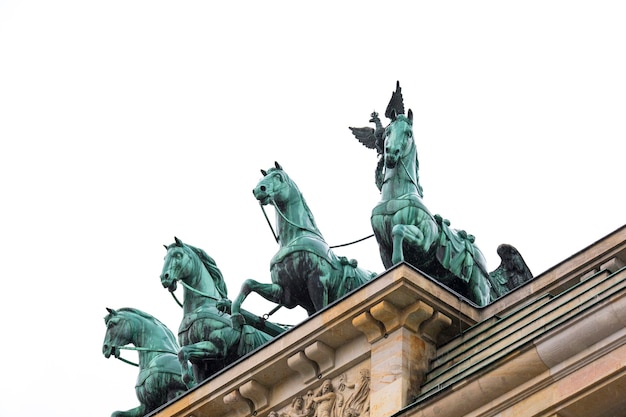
x=192 y=289
x=305 y=228
x=315 y=232
x=140 y=349
x=408 y=174
x=268 y=222
x=353 y=242
x=200 y=293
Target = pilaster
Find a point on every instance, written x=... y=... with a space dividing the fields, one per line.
x=402 y=345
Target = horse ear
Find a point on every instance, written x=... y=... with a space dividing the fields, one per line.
x=165 y=246
x=277 y=165
x=264 y=172
x=178 y=241
x=111 y=311
x=410 y=116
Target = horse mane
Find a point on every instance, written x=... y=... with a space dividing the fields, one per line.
x=148 y=317
x=304 y=203
x=211 y=266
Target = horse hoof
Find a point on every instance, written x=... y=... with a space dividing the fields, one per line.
x=224 y=306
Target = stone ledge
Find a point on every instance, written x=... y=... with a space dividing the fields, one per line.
x=323 y=346
x=420 y=311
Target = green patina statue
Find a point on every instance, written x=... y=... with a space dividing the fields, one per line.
x=405 y=229
x=208 y=338
x=159 y=379
x=305 y=272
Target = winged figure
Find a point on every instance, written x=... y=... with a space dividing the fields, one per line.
x=371 y=137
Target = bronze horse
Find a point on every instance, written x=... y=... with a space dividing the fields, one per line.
x=208 y=339
x=305 y=271
x=406 y=230
x=160 y=376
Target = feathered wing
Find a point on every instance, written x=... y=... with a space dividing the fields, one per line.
x=365 y=135
x=373 y=139
x=396 y=104
x=512 y=271
x=370 y=137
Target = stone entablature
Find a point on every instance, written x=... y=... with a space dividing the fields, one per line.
x=383 y=328
x=426 y=349
x=539 y=344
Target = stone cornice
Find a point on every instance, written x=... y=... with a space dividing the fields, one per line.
x=400 y=324
x=323 y=346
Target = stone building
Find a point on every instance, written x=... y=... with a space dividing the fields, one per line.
x=404 y=345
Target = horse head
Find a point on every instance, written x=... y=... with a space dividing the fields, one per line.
x=398 y=138
x=178 y=264
x=292 y=212
x=198 y=273
x=119 y=333
x=274 y=187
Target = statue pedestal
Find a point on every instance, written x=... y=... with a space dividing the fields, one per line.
x=377 y=342
x=403 y=344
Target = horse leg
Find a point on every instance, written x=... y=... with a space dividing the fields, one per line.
x=197 y=352
x=139 y=411
x=379 y=226
x=385 y=256
x=183 y=357
x=318 y=290
x=271 y=292
x=401 y=233
x=175 y=387
x=175 y=393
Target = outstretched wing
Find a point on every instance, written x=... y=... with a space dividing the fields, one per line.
x=365 y=135
x=370 y=137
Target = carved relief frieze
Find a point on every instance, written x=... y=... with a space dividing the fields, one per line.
x=346 y=395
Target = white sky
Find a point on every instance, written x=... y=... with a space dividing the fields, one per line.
x=126 y=123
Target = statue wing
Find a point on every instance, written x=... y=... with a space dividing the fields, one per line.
x=512 y=271
x=365 y=135
x=396 y=103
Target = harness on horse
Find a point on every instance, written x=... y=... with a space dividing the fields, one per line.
x=390 y=207
x=277 y=238
x=140 y=349
x=192 y=289
x=173 y=368
x=316 y=245
x=305 y=244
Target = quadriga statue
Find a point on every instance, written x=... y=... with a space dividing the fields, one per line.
x=406 y=230
x=160 y=377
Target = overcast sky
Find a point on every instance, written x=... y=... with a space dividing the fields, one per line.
x=126 y=123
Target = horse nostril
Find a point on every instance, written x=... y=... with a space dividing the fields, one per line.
x=166 y=276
